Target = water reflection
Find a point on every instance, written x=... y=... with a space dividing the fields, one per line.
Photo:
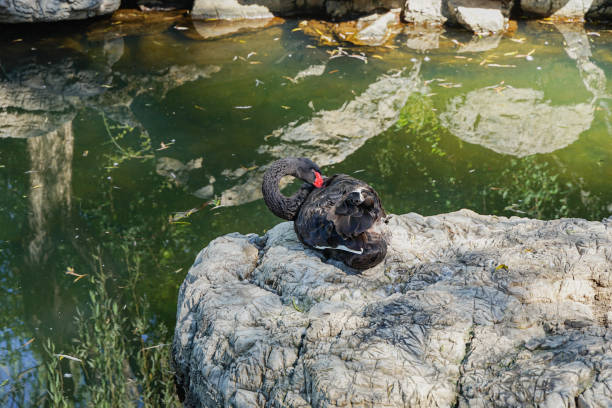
x=50 y=186
x=578 y=48
x=329 y=137
x=423 y=38
x=480 y=44
x=521 y=121
x=39 y=96
x=209 y=30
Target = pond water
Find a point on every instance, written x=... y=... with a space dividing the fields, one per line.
x=123 y=154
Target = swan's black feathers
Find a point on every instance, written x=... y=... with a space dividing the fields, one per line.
x=343 y=217
x=339 y=214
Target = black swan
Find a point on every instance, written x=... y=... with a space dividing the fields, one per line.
x=341 y=215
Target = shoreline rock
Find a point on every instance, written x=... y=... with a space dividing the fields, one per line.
x=466 y=310
x=32 y=11
x=387 y=17
x=483 y=17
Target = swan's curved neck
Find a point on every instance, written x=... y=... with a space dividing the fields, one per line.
x=282 y=206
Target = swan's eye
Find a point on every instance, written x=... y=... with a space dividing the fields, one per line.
x=318 y=183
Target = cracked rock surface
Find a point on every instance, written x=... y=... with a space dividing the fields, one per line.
x=27 y=11
x=466 y=310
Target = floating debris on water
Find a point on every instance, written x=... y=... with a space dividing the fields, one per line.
x=449 y=85
x=340 y=52
x=292 y=80
x=70 y=271
x=164 y=146
x=179 y=215
x=62 y=356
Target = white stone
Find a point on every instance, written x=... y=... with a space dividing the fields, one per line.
x=228 y=10
x=480 y=16
x=264 y=321
x=425 y=11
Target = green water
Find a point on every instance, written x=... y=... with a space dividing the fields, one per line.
x=105 y=139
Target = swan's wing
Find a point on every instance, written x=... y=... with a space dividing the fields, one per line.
x=357 y=212
x=333 y=218
x=322 y=234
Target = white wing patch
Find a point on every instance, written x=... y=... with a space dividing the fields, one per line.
x=342 y=248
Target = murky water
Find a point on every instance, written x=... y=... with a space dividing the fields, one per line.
x=128 y=152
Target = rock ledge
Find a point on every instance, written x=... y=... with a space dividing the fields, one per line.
x=466 y=310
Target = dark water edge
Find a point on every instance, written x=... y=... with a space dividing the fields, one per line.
x=104 y=185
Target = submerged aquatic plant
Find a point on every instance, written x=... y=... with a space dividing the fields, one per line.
x=534 y=188
x=117 y=133
x=428 y=153
x=531 y=188
x=53 y=377
x=418 y=118
x=121 y=361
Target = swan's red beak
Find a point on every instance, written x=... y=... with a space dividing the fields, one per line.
x=318 y=183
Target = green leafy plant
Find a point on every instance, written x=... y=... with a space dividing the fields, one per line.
x=123 y=361
x=531 y=187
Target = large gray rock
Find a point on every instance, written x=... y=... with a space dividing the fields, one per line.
x=568 y=9
x=466 y=310
x=229 y=10
x=24 y=11
x=425 y=11
x=480 y=16
x=344 y=8
x=600 y=10
x=557 y=8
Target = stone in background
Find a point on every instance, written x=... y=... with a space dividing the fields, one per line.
x=235 y=9
x=480 y=16
x=425 y=11
x=568 y=9
x=26 y=11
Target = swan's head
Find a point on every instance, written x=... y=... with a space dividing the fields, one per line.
x=308 y=171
